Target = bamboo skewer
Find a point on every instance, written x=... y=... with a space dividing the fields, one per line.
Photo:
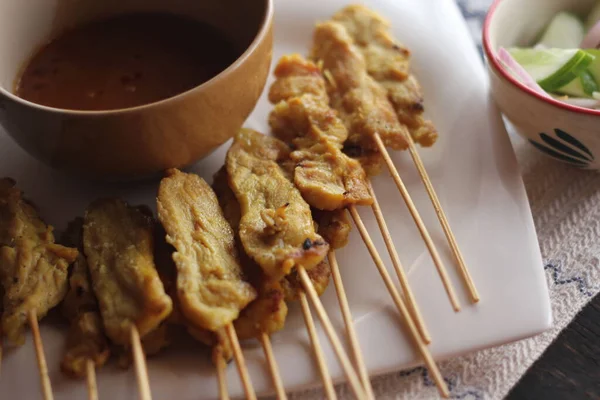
x=352 y=337
x=141 y=369
x=331 y=334
x=408 y=294
x=92 y=385
x=414 y=332
x=41 y=358
x=420 y=225
x=240 y=362
x=462 y=267
x=318 y=351
x=273 y=368
x=221 y=375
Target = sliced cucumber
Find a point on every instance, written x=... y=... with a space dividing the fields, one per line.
x=584 y=86
x=553 y=68
x=594 y=67
x=588 y=83
x=593 y=17
x=565 y=31
x=573 y=89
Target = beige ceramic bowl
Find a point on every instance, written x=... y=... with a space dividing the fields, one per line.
x=140 y=141
x=564 y=132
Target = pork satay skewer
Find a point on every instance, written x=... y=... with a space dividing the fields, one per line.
x=276 y=228
x=33 y=272
x=302 y=117
x=371 y=33
x=282 y=121
x=371 y=120
x=86 y=347
x=118 y=241
x=211 y=288
x=267 y=313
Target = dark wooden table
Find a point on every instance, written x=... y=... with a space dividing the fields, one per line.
x=570 y=367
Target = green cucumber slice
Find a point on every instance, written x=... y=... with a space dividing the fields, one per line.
x=584 y=86
x=588 y=82
x=594 y=67
x=553 y=68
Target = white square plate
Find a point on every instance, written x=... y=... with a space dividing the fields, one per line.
x=476 y=175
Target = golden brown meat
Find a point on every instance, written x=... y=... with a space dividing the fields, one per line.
x=327 y=178
x=334 y=226
x=167 y=271
x=385 y=58
x=360 y=100
x=210 y=285
x=276 y=228
x=319 y=276
x=267 y=313
x=388 y=63
x=86 y=339
x=118 y=242
x=33 y=269
x=369 y=159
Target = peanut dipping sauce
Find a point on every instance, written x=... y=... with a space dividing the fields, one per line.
x=124 y=61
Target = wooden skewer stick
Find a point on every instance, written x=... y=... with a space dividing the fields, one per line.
x=408 y=294
x=318 y=351
x=222 y=375
x=141 y=369
x=462 y=267
x=41 y=358
x=92 y=385
x=352 y=337
x=419 y=222
x=240 y=362
x=331 y=334
x=277 y=382
x=414 y=332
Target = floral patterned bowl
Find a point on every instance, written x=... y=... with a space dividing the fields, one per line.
x=564 y=132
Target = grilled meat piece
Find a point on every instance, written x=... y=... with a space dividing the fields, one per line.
x=86 y=339
x=276 y=228
x=167 y=271
x=33 y=268
x=388 y=63
x=327 y=178
x=118 y=242
x=210 y=285
x=360 y=100
x=267 y=313
x=319 y=276
x=334 y=226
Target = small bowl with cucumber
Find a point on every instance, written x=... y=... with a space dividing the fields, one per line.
x=544 y=67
